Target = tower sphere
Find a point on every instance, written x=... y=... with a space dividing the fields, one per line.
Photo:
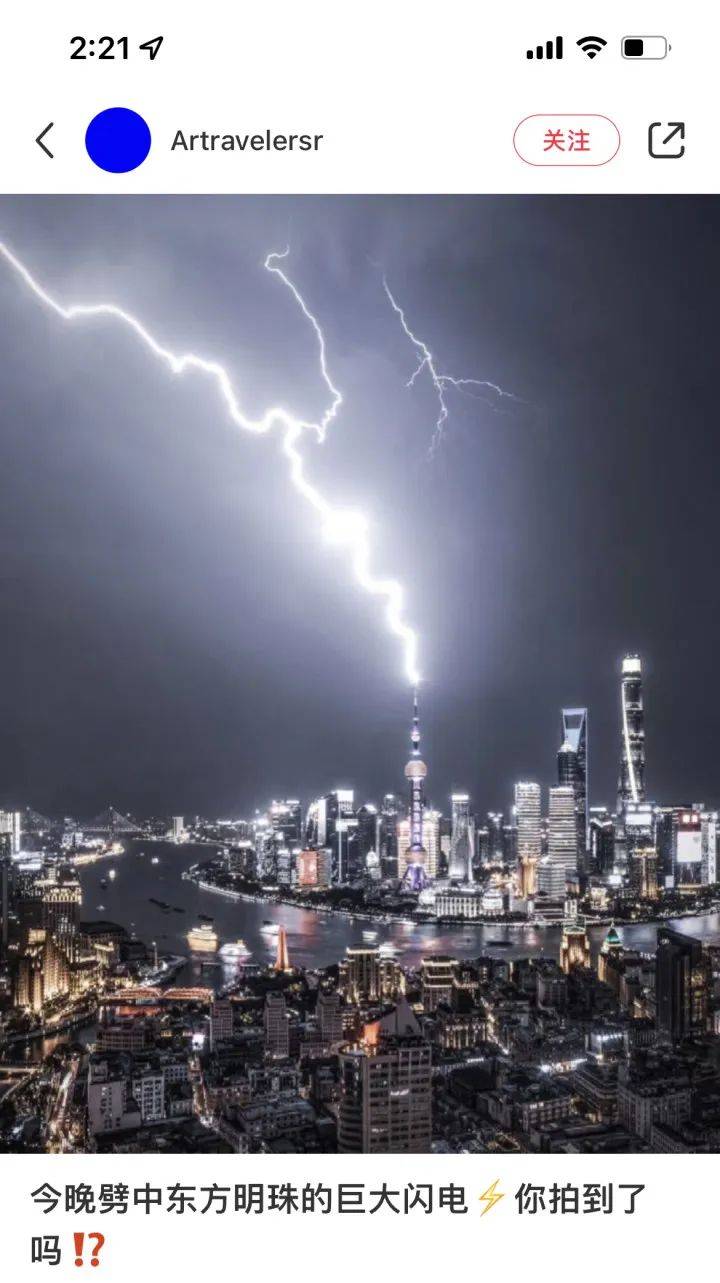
x=415 y=769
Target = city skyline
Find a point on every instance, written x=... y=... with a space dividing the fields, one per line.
x=577 y=1039
x=570 y=755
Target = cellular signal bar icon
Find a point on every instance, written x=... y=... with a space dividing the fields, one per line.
x=551 y=49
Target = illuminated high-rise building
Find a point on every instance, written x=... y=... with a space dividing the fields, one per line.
x=572 y=768
x=367 y=839
x=709 y=847
x=5 y=875
x=528 y=826
x=574 y=944
x=482 y=844
x=387 y=828
x=631 y=780
x=574 y=731
x=29 y=983
x=331 y=824
x=501 y=840
x=366 y=976
x=313 y=868
x=10 y=824
x=61 y=901
x=438 y=974
x=342 y=836
x=528 y=820
x=642 y=872
x=416 y=874
x=602 y=842
x=265 y=850
x=286 y=822
x=688 y=848
x=561 y=859
x=462 y=839
x=316 y=824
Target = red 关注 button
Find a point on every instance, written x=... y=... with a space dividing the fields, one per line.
x=566 y=138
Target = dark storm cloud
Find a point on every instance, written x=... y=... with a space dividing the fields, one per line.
x=175 y=634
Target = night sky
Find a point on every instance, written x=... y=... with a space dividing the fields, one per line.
x=176 y=636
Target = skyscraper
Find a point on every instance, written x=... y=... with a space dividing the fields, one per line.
x=573 y=767
x=388 y=837
x=331 y=824
x=416 y=772
x=313 y=868
x=602 y=842
x=561 y=858
x=709 y=847
x=386 y=1085
x=329 y=1018
x=642 y=872
x=682 y=985
x=574 y=945
x=277 y=1028
x=368 y=837
x=265 y=851
x=462 y=839
x=61 y=901
x=5 y=869
x=631 y=780
x=528 y=824
x=688 y=861
x=286 y=822
x=437 y=981
x=366 y=976
x=11 y=823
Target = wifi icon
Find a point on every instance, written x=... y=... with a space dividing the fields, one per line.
x=592 y=45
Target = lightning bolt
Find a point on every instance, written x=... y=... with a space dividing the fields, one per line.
x=336 y=400
x=440 y=382
x=343 y=528
x=490 y=1197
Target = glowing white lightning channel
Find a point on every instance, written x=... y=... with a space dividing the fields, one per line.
x=336 y=400
x=440 y=381
x=343 y=528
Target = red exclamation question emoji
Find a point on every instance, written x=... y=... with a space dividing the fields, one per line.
x=95 y=1257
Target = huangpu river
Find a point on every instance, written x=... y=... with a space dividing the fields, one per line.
x=314 y=939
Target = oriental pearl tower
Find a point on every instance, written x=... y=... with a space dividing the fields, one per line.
x=415 y=772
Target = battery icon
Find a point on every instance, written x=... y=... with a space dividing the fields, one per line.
x=644 y=47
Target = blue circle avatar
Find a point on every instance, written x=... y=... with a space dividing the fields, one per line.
x=117 y=140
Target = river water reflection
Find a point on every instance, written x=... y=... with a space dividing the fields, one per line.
x=314 y=939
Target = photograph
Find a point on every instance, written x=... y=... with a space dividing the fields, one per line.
x=359 y=640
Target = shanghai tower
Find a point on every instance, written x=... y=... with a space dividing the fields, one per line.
x=631 y=780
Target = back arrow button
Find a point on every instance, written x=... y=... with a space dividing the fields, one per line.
x=40 y=143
